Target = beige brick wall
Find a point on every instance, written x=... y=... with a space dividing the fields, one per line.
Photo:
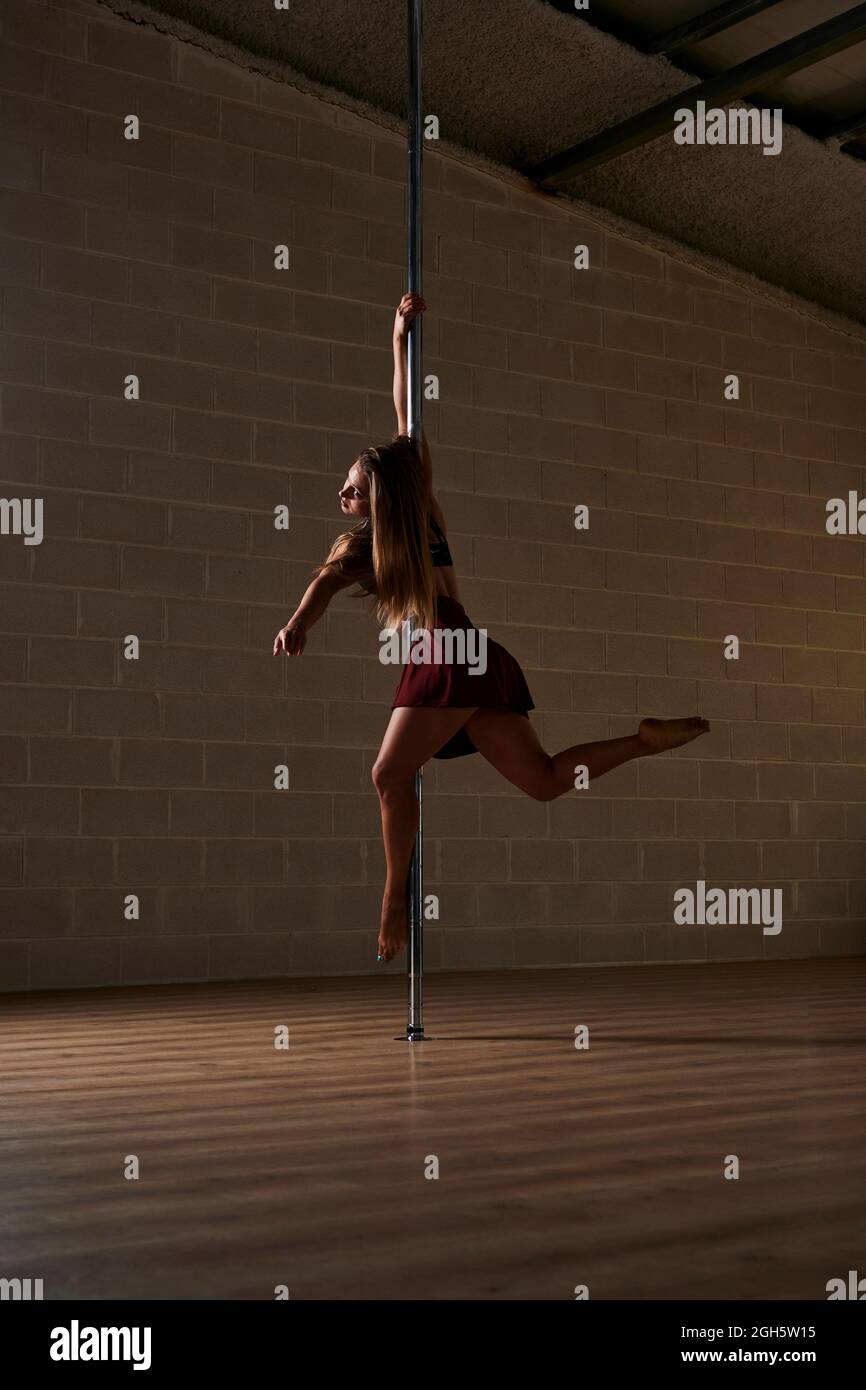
x=603 y=386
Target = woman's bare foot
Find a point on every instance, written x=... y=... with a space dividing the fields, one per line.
x=394 y=930
x=659 y=735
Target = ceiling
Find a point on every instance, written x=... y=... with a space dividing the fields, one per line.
x=517 y=81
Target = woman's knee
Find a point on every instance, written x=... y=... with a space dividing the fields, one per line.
x=548 y=786
x=390 y=778
x=545 y=788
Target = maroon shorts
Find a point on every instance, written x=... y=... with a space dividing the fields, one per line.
x=449 y=685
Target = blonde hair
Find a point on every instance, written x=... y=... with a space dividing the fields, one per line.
x=389 y=553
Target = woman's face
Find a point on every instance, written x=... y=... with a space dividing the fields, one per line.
x=355 y=493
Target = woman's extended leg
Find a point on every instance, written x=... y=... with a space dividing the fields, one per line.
x=509 y=742
x=412 y=737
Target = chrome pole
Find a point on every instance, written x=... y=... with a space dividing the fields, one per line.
x=415 y=887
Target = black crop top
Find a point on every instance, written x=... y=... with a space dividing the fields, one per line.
x=440 y=554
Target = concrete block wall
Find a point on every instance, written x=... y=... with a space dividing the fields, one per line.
x=603 y=386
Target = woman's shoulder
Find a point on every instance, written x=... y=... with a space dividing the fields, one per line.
x=358 y=541
x=358 y=560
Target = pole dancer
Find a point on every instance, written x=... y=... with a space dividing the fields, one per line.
x=443 y=708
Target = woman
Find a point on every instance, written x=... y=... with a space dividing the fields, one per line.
x=399 y=552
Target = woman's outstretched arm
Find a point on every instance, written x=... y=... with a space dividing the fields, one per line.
x=292 y=638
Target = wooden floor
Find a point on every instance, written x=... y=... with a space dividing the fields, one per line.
x=557 y=1167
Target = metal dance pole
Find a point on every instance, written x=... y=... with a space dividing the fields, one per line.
x=415 y=10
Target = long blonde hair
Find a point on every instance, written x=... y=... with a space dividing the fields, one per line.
x=389 y=553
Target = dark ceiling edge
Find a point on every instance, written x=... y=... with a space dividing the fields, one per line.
x=139 y=13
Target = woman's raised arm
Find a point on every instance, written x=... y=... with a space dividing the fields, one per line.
x=410 y=306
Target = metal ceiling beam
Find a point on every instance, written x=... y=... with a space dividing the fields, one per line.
x=802 y=51
x=691 y=31
x=850 y=129
x=703 y=26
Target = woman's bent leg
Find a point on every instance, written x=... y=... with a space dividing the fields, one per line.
x=412 y=736
x=509 y=742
